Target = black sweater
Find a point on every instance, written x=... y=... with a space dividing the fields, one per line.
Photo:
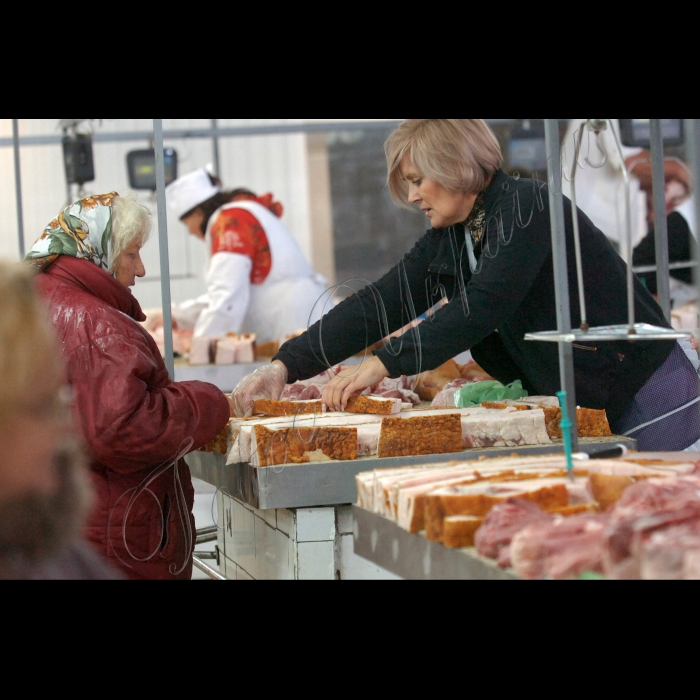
x=511 y=293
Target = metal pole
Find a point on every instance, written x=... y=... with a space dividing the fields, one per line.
x=561 y=268
x=164 y=250
x=216 y=148
x=663 y=277
x=692 y=135
x=18 y=188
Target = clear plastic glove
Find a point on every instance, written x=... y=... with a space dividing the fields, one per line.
x=266 y=383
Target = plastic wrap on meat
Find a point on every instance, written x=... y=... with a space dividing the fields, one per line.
x=563 y=550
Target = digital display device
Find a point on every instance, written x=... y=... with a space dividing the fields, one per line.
x=78 y=159
x=636 y=133
x=142 y=168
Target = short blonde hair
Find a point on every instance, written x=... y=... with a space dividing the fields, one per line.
x=460 y=154
x=131 y=223
x=29 y=354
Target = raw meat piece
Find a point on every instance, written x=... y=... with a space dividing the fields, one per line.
x=411 y=494
x=226 y=351
x=374 y=405
x=562 y=550
x=661 y=554
x=479 y=499
x=325 y=420
x=430 y=384
x=268 y=350
x=368 y=439
x=446 y=398
x=266 y=407
x=312 y=389
x=301 y=445
x=691 y=566
x=504 y=522
x=654 y=498
x=460 y=531
x=219 y=445
x=403 y=437
x=366 y=485
x=245 y=349
x=509 y=428
x=201 y=351
x=473 y=373
x=591 y=423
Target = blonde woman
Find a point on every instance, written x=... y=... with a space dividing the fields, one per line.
x=489 y=252
x=136 y=422
x=44 y=487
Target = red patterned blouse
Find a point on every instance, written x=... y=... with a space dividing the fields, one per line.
x=238 y=231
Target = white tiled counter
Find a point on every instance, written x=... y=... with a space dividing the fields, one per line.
x=309 y=544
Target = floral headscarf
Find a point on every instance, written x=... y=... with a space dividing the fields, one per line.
x=84 y=231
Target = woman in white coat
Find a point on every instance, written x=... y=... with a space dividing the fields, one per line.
x=258 y=279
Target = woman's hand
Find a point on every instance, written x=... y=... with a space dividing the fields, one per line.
x=353 y=381
x=266 y=383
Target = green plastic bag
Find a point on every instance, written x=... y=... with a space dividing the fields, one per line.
x=482 y=392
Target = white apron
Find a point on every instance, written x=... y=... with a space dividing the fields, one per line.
x=284 y=303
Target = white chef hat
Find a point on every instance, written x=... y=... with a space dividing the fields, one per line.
x=189 y=191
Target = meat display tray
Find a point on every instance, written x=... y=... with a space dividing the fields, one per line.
x=414 y=558
x=319 y=484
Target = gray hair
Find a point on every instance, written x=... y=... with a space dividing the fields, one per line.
x=460 y=154
x=131 y=223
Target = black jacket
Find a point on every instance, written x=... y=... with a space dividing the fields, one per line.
x=511 y=293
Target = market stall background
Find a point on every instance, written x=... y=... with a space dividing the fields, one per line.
x=295 y=164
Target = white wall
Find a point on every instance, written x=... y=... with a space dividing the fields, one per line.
x=277 y=164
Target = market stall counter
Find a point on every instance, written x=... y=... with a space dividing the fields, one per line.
x=284 y=496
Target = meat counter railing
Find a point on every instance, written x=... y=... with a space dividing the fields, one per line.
x=180 y=501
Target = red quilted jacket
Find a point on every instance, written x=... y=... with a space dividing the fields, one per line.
x=136 y=423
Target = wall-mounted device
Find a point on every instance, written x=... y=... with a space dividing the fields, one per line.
x=142 y=168
x=528 y=148
x=78 y=158
x=636 y=133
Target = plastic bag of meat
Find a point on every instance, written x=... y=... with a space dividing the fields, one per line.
x=562 y=550
x=494 y=538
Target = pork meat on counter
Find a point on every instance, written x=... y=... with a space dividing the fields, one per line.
x=502 y=524
x=562 y=550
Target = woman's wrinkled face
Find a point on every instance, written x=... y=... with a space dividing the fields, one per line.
x=442 y=206
x=194 y=223
x=129 y=266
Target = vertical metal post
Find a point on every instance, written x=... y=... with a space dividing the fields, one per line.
x=164 y=249
x=663 y=276
x=18 y=188
x=217 y=150
x=561 y=268
x=692 y=136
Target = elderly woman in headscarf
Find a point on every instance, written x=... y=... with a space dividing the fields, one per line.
x=136 y=422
